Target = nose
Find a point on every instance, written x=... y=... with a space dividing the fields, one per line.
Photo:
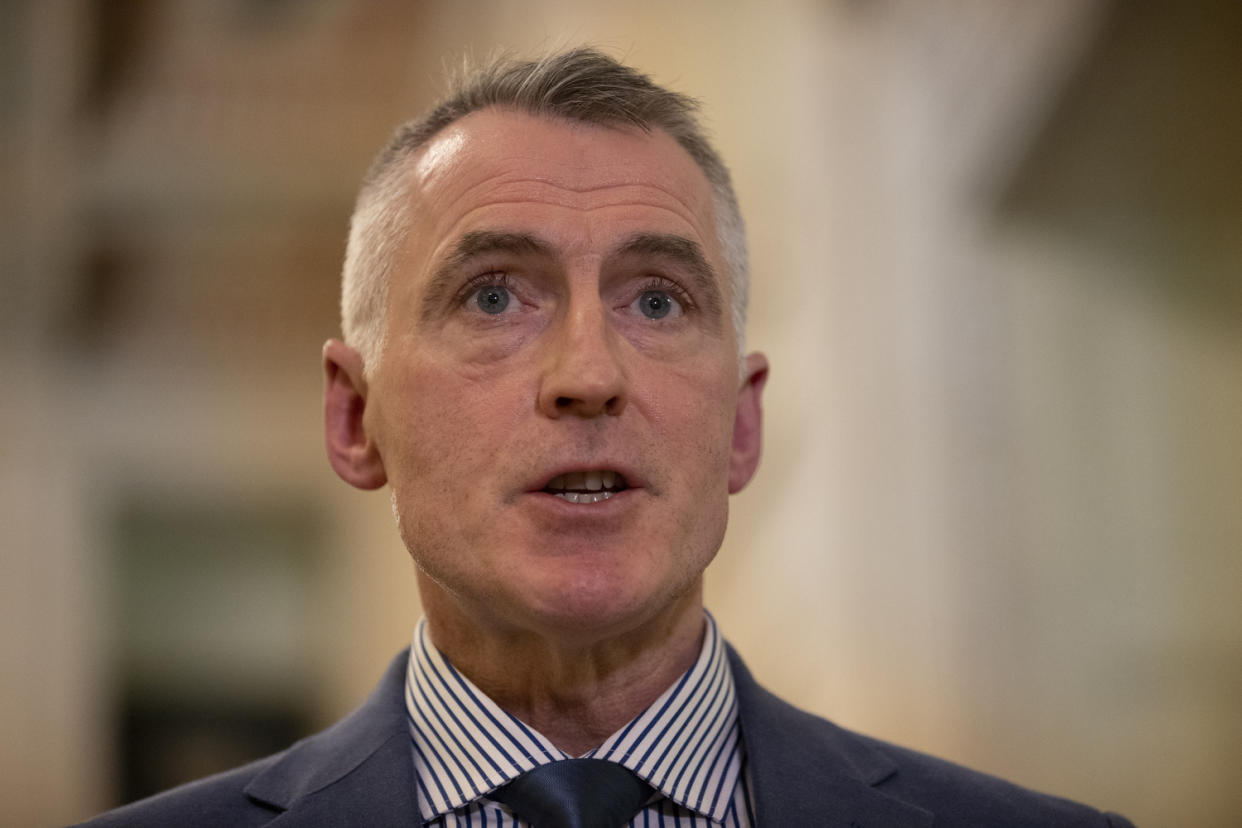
x=584 y=375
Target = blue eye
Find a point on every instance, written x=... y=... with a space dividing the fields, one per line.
x=656 y=304
x=492 y=298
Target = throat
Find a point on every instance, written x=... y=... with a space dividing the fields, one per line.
x=573 y=694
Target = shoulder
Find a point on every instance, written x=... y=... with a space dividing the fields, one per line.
x=874 y=781
x=214 y=801
x=963 y=796
x=358 y=766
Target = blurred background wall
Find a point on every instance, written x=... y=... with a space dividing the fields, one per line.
x=997 y=259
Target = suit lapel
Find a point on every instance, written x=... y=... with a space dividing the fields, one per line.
x=806 y=771
x=358 y=772
x=379 y=793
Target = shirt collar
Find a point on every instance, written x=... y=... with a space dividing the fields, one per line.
x=685 y=744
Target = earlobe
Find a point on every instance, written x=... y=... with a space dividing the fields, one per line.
x=351 y=451
x=748 y=423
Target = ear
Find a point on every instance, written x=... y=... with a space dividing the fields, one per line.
x=351 y=451
x=748 y=423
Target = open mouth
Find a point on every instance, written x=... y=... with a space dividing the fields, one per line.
x=587 y=486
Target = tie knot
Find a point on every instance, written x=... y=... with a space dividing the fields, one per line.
x=575 y=793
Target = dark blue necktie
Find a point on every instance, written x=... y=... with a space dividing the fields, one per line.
x=575 y=793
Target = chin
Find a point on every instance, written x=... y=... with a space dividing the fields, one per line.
x=591 y=605
x=590 y=601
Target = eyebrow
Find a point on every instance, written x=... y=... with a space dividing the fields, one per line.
x=471 y=246
x=685 y=253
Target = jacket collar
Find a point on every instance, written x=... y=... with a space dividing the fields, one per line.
x=807 y=771
x=360 y=771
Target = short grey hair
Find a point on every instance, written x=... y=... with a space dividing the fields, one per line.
x=581 y=85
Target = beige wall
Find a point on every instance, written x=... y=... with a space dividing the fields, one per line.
x=996 y=518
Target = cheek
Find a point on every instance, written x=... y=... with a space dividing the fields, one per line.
x=694 y=419
x=441 y=441
x=439 y=427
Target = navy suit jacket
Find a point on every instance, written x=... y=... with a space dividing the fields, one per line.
x=806 y=773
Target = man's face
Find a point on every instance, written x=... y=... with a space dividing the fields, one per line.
x=555 y=405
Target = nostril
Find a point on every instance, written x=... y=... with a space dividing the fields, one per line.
x=584 y=406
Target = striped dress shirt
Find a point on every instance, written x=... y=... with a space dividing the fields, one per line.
x=686 y=745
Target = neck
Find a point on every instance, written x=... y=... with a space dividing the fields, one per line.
x=576 y=690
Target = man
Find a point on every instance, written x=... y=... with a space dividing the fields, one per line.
x=544 y=298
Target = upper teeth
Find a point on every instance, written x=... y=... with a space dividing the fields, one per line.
x=587 y=481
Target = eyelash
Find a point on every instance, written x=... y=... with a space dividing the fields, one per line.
x=670 y=287
x=499 y=277
x=491 y=277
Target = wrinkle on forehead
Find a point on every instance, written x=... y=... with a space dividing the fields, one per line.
x=585 y=196
x=452 y=222
x=580 y=187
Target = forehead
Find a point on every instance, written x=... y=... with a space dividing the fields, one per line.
x=498 y=165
